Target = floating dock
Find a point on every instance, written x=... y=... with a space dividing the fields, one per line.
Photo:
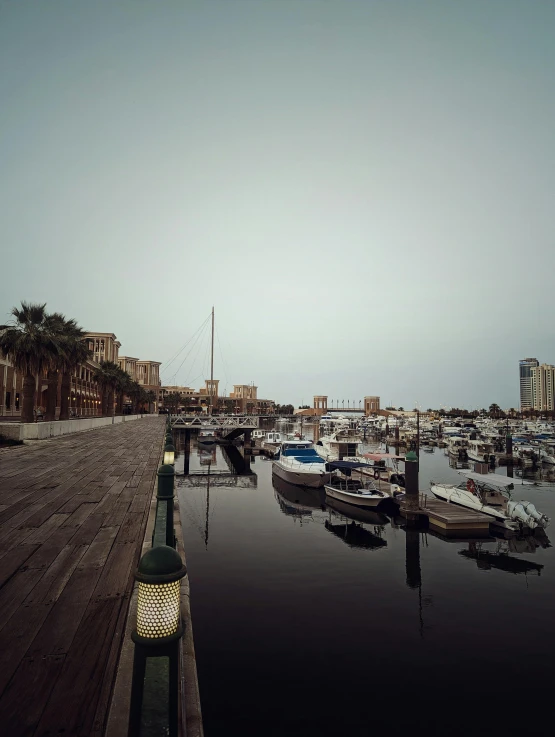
x=451 y=517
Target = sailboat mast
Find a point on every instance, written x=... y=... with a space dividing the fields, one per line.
x=212 y=365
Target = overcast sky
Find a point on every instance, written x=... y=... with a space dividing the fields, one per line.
x=364 y=190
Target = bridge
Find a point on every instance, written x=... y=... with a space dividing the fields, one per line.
x=229 y=426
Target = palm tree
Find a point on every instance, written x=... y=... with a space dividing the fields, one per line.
x=151 y=398
x=107 y=376
x=494 y=410
x=32 y=348
x=73 y=352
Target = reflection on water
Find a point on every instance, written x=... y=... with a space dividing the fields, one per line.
x=293 y=618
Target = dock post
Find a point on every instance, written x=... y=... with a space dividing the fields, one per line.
x=186 y=452
x=411 y=486
x=397 y=435
x=165 y=495
x=509 y=445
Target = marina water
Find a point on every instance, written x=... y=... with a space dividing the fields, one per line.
x=311 y=622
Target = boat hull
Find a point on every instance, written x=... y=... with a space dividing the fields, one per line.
x=356 y=500
x=310 y=479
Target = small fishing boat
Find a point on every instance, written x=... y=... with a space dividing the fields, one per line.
x=359 y=492
x=491 y=494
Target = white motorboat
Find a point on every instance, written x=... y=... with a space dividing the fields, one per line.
x=481 y=451
x=491 y=494
x=297 y=462
x=335 y=446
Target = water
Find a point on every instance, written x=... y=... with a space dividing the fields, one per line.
x=310 y=623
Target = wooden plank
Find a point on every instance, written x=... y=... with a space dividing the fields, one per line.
x=45 y=530
x=131 y=526
x=16 y=590
x=13 y=560
x=72 y=705
x=99 y=549
x=16 y=637
x=80 y=515
x=116 y=579
x=22 y=703
x=56 y=577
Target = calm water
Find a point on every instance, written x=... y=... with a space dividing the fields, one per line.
x=308 y=622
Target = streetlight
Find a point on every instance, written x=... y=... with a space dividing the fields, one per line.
x=158 y=629
x=169 y=454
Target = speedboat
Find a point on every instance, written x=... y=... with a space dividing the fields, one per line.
x=297 y=462
x=490 y=494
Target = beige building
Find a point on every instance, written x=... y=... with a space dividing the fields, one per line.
x=242 y=400
x=542 y=380
x=104 y=346
x=371 y=405
x=85 y=395
x=126 y=363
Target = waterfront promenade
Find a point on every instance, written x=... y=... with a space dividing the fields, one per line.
x=73 y=512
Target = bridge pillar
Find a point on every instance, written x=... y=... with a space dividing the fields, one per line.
x=247 y=446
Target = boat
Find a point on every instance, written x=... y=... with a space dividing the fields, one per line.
x=206 y=437
x=481 y=451
x=335 y=446
x=359 y=492
x=297 y=462
x=490 y=494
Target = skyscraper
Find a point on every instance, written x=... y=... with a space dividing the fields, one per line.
x=543 y=387
x=525 y=367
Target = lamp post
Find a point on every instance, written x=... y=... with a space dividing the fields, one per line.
x=159 y=629
x=169 y=454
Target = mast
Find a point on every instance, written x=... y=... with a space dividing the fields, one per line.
x=212 y=365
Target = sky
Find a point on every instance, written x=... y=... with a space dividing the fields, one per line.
x=363 y=190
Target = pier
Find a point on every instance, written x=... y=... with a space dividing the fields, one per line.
x=73 y=514
x=451 y=517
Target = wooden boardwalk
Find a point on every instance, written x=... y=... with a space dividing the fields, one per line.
x=73 y=512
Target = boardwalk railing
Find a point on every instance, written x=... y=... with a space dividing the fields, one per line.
x=159 y=626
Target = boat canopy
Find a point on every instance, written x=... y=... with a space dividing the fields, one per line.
x=345 y=466
x=495 y=479
x=380 y=456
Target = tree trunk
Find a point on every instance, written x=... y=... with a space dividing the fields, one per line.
x=51 y=395
x=28 y=403
x=111 y=402
x=64 y=398
x=104 y=402
x=120 y=402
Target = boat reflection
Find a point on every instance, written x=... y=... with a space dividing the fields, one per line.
x=355 y=535
x=297 y=501
x=500 y=560
x=347 y=522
